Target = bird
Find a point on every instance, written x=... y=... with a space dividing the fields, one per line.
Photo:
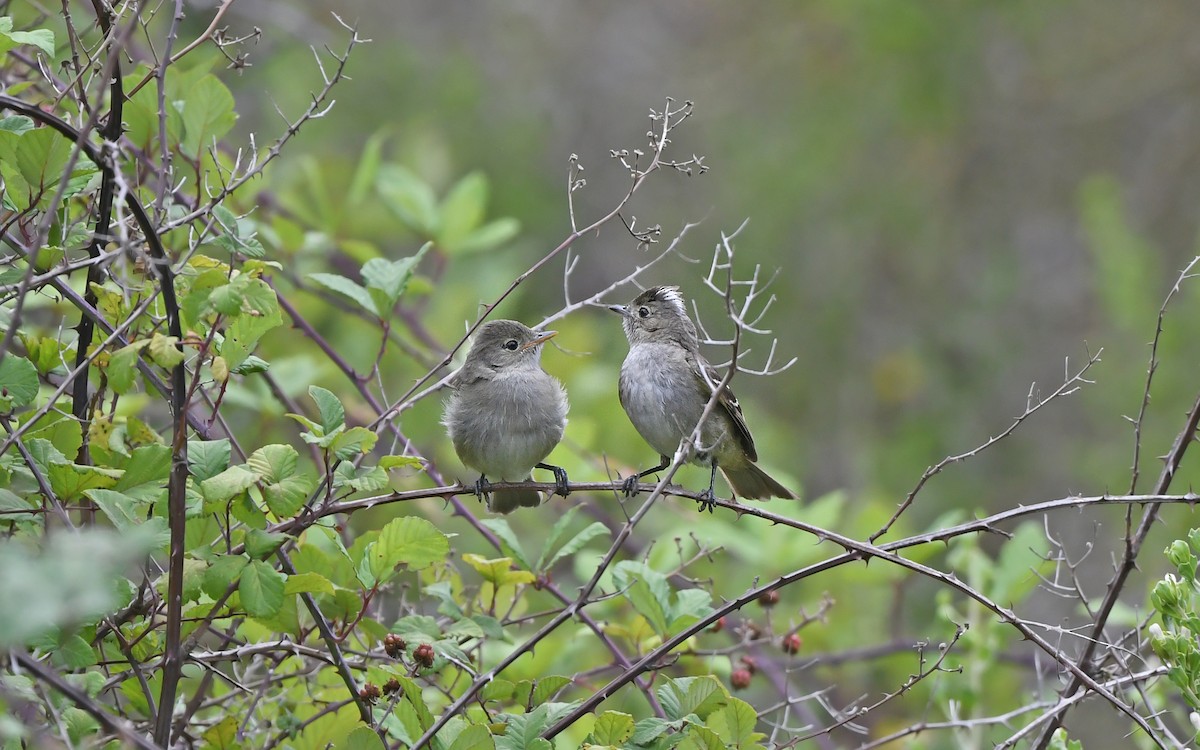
x=665 y=385
x=505 y=413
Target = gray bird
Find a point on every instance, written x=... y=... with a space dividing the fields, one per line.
x=665 y=385
x=505 y=413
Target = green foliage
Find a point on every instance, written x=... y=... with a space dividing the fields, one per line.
x=1176 y=601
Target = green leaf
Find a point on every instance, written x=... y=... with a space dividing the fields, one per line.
x=397 y=462
x=697 y=737
x=691 y=695
x=18 y=382
x=362 y=738
x=364 y=479
x=261 y=589
x=546 y=560
x=612 y=728
x=735 y=723
x=409 y=541
x=122 y=365
x=349 y=443
x=367 y=169
x=307 y=583
x=16 y=124
x=348 y=288
x=546 y=688
x=164 y=352
x=70 y=481
x=387 y=279
x=333 y=414
x=247 y=328
x=74 y=652
x=284 y=490
x=43 y=39
x=488 y=237
x=409 y=198
x=497 y=690
x=223 y=571
x=32 y=165
x=146 y=472
x=222 y=735
x=207 y=113
x=648 y=730
x=463 y=208
x=647 y=590
x=508 y=540
x=474 y=737
x=262 y=543
x=80 y=725
x=228 y=484
x=498 y=571
x=207 y=458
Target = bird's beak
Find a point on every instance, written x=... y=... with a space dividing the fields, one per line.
x=542 y=338
x=619 y=309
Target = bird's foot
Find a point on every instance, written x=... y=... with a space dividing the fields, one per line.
x=561 y=486
x=707 y=501
x=482 y=486
x=630 y=486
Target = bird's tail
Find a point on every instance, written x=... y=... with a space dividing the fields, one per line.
x=506 y=501
x=753 y=483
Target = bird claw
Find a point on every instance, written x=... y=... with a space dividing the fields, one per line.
x=561 y=487
x=629 y=487
x=482 y=485
x=707 y=501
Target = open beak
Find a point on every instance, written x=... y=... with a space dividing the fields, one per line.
x=542 y=338
x=619 y=309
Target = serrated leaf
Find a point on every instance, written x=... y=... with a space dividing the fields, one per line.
x=228 y=484
x=261 y=589
x=122 y=365
x=284 y=490
x=74 y=652
x=497 y=690
x=307 y=583
x=348 y=444
x=390 y=277
x=207 y=458
x=70 y=481
x=18 y=382
x=409 y=541
x=546 y=688
x=208 y=113
x=262 y=543
x=222 y=735
x=164 y=352
x=221 y=573
x=362 y=738
x=612 y=728
x=474 y=737
x=80 y=725
x=735 y=723
x=697 y=737
x=347 y=288
x=647 y=590
x=388 y=463
x=691 y=695
x=362 y=479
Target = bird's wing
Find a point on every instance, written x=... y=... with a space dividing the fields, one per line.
x=708 y=379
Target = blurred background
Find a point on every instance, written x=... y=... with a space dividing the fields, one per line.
x=962 y=199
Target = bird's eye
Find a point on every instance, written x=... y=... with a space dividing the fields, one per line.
x=511 y=345
x=644 y=312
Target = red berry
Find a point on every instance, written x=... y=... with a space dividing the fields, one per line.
x=394 y=645
x=717 y=626
x=393 y=686
x=792 y=643
x=424 y=655
x=740 y=679
x=769 y=599
x=749 y=663
x=370 y=692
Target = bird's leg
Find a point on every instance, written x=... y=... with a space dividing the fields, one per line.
x=560 y=479
x=707 y=497
x=481 y=486
x=630 y=485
